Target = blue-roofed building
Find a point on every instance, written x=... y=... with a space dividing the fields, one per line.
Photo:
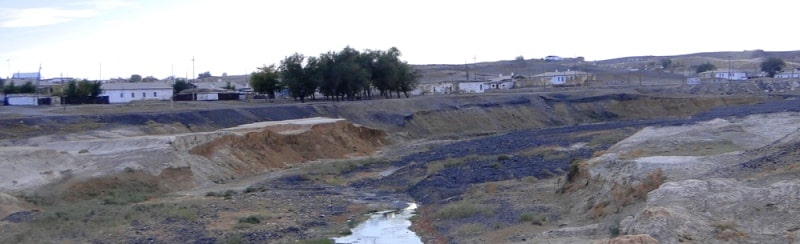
x=26 y=76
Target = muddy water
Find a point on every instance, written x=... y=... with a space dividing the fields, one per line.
x=385 y=227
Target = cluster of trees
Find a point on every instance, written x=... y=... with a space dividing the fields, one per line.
x=206 y=74
x=771 y=66
x=180 y=85
x=82 y=88
x=11 y=88
x=345 y=75
x=138 y=78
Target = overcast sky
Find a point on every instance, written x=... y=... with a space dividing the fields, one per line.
x=156 y=37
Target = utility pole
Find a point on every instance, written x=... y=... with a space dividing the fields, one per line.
x=474 y=67
x=38 y=78
x=729 y=69
x=172 y=99
x=194 y=95
x=466 y=69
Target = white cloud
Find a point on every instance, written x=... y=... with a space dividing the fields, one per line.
x=32 y=17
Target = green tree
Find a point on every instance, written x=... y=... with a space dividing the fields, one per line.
x=266 y=81
x=299 y=75
x=772 y=66
x=705 y=67
x=135 y=78
x=10 y=88
x=355 y=75
x=180 y=85
x=393 y=75
x=666 y=63
x=83 y=88
x=228 y=86
x=329 y=75
x=28 y=87
x=149 y=79
x=206 y=74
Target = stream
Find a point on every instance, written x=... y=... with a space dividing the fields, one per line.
x=384 y=227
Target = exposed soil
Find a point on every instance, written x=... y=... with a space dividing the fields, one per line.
x=484 y=168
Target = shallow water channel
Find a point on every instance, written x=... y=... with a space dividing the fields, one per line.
x=384 y=227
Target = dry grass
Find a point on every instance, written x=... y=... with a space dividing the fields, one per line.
x=727 y=230
x=464 y=209
x=625 y=195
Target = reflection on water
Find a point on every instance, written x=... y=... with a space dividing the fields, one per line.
x=384 y=227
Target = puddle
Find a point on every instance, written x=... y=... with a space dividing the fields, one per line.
x=384 y=227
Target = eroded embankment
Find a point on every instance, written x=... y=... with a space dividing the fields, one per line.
x=418 y=117
x=279 y=146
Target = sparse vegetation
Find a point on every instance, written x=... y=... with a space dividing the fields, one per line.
x=463 y=209
x=533 y=217
x=727 y=230
x=252 y=219
x=705 y=67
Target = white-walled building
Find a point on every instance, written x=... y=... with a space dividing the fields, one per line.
x=436 y=88
x=125 y=92
x=793 y=74
x=22 y=99
x=725 y=74
x=472 y=86
x=501 y=82
x=563 y=78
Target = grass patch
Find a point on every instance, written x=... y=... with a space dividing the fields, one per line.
x=318 y=241
x=252 y=219
x=469 y=229
x=727 y=230
x=530 y=179
x=333 y=172
x=609 y=137
x=533 y=218
x=92 y=219
x=463 y=209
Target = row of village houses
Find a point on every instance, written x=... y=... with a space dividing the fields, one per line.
x=212 y=89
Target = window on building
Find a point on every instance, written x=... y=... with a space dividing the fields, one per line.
x=144 y=94
x=121 y=94
x=155 y=94
x=133 y=94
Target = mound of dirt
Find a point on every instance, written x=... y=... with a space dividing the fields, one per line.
x=292 y=142
x=9 y=204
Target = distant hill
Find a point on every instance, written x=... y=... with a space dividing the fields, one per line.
x=682 y=65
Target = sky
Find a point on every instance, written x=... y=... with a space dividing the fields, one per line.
x=103 y=39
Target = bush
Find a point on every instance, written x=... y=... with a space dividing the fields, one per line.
x=252 y=219
x=463 y=209
x=533 y=217
x=614 y=230
x=503 y=157
x=318 y=241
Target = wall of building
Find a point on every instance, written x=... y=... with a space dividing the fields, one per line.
x=472 y=87
x=129 y=95
x=22 y=100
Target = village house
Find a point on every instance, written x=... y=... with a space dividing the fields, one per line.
x=126 y=92
x=32 y=76
x=793 y=74
x=435 y=88
x=472 y=86
x=562 y=78
x=724 y=74
x=501 y=82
